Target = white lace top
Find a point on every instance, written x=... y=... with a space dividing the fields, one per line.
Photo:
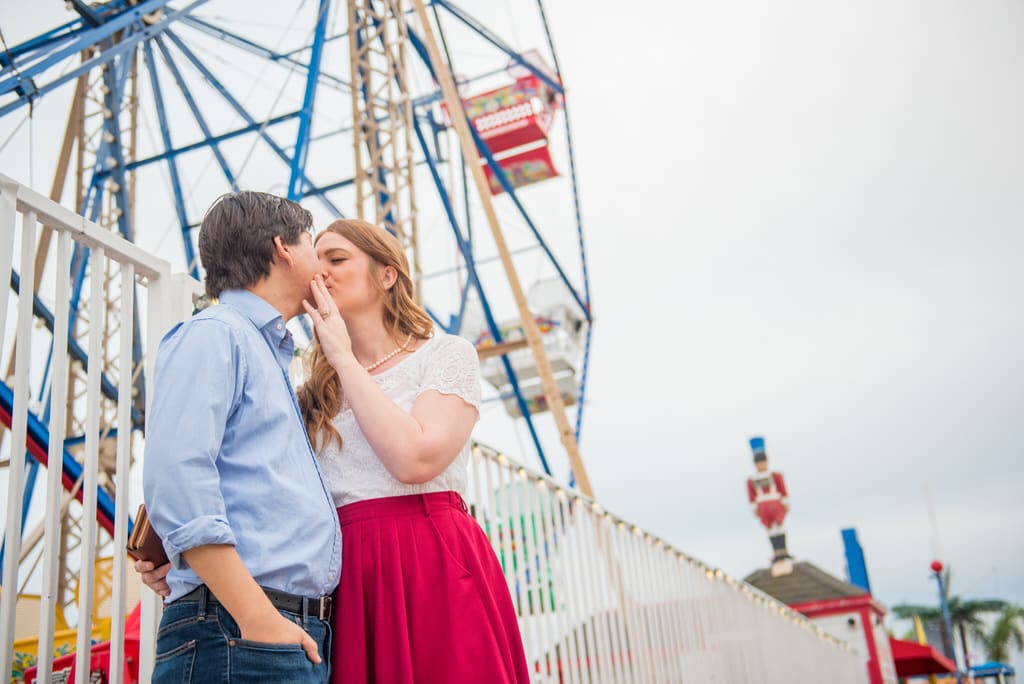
x=446 y=363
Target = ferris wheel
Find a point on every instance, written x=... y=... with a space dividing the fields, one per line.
x=424 y=119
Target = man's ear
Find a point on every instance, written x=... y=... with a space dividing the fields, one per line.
x=282 y=252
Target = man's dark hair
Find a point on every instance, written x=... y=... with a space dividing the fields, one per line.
x=236 y=240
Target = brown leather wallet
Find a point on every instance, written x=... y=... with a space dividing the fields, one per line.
x=144 y=543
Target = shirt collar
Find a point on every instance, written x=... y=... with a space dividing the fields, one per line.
x=264 y=316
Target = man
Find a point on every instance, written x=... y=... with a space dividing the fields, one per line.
x=231 y=483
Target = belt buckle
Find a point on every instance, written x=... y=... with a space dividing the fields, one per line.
x=324 y=608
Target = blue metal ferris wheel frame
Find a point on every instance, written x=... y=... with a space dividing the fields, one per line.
x=23 y=70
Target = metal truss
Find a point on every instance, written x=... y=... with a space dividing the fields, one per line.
x=132 y=51
x=382 y=114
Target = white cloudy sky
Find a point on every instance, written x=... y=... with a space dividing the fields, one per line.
x=807 y=221
x=804 y=220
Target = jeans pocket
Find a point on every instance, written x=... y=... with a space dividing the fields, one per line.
x=175 y=665
x=177 y=616
x=255 y=661
x=263 y=646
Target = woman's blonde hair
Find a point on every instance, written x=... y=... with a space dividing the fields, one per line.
x=320 y=397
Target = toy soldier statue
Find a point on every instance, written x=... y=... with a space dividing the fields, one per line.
x=770 y=501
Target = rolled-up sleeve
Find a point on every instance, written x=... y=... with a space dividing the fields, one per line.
x=196 y=385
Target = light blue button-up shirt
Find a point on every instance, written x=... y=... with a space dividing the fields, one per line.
x=227 y=457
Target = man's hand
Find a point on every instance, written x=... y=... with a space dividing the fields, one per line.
x=153 y=577
x=274 y=628
x=220 y=567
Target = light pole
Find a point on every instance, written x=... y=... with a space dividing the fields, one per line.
x=947 y=623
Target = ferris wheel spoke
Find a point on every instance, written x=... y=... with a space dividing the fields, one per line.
x=85 y=39
x=172 y=164
x=297 y=182
x=493 y=39
x=196 y=114
x=247 y=117
x=259 y=50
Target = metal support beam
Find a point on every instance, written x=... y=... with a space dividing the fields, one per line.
x=296 y=183
x=465 y=248
x=41 y=42
x=237 y=106
x=506 y=185
x=483 y=149
x=76 y=351
x=579 y=220
x=210 y=141
x=172 y=166
x=532 y=333
x=493 y=39
x=87 y=39
x=382 y=122
x=196 y=114
x=255 y=48
x=115 y=74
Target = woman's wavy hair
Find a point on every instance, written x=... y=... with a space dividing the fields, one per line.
x=320 y=397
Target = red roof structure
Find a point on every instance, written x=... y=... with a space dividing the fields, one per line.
x=844 y=609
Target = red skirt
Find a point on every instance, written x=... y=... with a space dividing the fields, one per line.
x=422 y=597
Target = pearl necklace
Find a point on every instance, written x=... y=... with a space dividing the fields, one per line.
x=389 y=356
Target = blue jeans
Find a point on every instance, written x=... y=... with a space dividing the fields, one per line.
x=199 y=641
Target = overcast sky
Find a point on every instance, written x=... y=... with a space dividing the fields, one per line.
x=804 y=220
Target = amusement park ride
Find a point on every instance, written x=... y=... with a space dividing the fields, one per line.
x=411 y=114
x=358 y=116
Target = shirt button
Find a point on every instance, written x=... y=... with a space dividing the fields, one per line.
x=279 y=326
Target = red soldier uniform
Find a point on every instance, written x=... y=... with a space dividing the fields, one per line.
x=769 y=499
x=768 y=496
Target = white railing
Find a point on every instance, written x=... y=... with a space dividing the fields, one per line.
x=168 y=298
x=599 y=599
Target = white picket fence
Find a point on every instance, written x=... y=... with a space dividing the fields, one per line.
x=599 y=599
x=169 y=297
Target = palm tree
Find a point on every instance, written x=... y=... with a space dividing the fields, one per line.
x=963 y=614
x=1008 y=629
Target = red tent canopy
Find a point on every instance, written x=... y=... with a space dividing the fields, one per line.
x=913 y=658
x=99 y=657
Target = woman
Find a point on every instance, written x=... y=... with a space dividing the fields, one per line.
x=389 y=405
x=389 y=409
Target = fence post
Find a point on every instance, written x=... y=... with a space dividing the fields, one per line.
x=169 y=301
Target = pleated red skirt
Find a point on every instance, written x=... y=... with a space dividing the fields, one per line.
x=422 y=597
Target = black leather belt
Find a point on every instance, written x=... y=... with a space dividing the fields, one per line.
x=314 y=607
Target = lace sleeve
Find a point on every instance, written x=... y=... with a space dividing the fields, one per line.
x=453 y=368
